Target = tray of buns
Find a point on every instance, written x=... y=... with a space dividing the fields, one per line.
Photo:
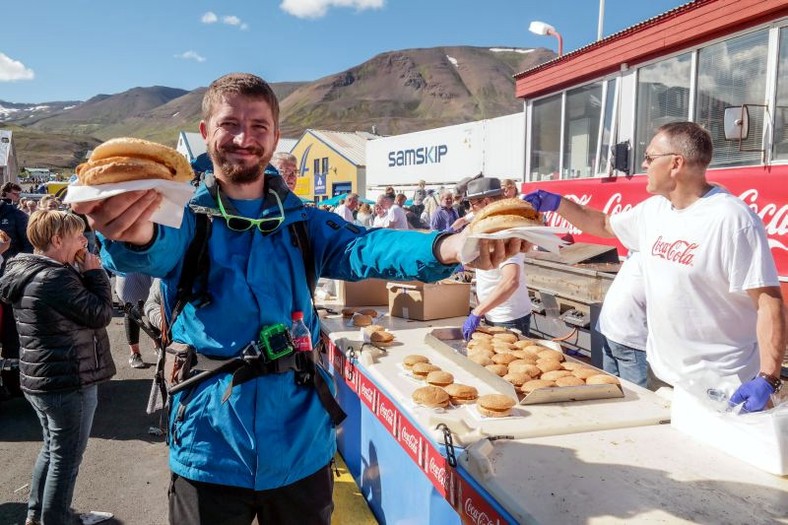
x=529 y=370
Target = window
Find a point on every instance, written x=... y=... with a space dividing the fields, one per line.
x=781 y=108
x=663 y=96
x=545 y=138
x=317 y=171
x=581 y=131
x=732 y=73
x=608 y=131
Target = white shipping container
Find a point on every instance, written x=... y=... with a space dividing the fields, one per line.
x=443 y=156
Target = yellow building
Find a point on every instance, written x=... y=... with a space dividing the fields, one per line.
x=331 y=163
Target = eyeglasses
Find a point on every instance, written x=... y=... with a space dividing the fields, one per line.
x=242 y=224
x=648 y=159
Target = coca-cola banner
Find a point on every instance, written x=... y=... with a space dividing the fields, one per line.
x=439 y=472
x=387 y=413
x=411 y=440
x=764 y=190
x=474 y=508
x=368 y=393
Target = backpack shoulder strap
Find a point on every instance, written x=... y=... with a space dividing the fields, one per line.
x=300 y=236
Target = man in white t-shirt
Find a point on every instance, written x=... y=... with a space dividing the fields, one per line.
x=712 y=295
x=394 y=216
x=502 y=292
x=622 y=322
x=346 y=209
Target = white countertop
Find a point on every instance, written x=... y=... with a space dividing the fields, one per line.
x=640 y=475
x=637 y=407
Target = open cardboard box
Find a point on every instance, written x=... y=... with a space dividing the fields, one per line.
x=428 y=301
x=369 y=292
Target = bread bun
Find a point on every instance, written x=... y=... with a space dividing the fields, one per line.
x=420 y=370
x=347 y=313
x=602 y=379
x=503 y=359
x=79 y=257
x=431 y=397
x=123 y=159
x=369 y=311
x=381 y=337
x=551 y=354
x=585 y=373
x=361 y=320
x=506 y=337
x=552 y=375
x=536 y=384
x=412 y=359
x=439 y=378
x=569 y=381
x=480 y=359
x=505 y=214
x=499 y=370
x=461 y=394
x=517 y=378
x=495 y=405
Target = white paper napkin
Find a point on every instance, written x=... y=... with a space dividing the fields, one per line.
x=170 y=212
x=542 y=236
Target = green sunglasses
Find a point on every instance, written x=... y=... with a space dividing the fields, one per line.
x=242 y=224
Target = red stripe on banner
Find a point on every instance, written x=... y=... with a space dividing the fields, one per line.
x=388 y=414
x=473 y=507
x=368 y=393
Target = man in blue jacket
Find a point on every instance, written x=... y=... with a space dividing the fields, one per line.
x=266 y=451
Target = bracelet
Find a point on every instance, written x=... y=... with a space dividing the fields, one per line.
x=775 y=382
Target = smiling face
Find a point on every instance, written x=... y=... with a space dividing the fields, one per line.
x=240 y=135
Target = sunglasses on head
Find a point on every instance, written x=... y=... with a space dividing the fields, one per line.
x=242 y=224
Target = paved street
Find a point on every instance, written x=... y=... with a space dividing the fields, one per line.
x=124 y=470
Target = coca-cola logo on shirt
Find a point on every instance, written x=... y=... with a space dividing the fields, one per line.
x=477 y=516
x=682 y=252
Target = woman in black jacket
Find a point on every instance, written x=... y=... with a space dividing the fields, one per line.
x=62 y=309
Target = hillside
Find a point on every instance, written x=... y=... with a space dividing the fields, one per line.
x=397 y=92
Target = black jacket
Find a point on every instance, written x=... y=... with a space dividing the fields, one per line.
x=61 y=316
x=13 y=221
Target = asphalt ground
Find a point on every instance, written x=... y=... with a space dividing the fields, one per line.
x=124 y=470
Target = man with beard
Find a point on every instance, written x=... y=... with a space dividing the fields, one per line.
x=259 y=447
x=286 y=164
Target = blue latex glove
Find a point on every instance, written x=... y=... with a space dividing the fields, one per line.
x=754 y=394
x=543 y=200
x=470 y=325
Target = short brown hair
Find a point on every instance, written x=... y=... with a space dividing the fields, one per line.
x=8 y=187
x=45 y=224
x=690 y=140
x=244 y=84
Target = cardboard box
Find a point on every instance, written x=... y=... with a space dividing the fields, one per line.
x=427 y=301
x=369 y=292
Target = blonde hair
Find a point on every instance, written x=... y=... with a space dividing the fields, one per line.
x=42 y=203
x=45 y=224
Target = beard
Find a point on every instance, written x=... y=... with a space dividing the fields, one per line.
x=234 y=172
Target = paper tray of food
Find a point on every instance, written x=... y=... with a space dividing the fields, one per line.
x=562 y=381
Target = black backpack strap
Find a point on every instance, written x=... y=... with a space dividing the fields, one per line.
x=300 y=237
x=196 y=263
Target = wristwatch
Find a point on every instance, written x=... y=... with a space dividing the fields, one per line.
x=775 y=382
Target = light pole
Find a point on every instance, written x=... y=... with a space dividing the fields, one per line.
x=540 y=28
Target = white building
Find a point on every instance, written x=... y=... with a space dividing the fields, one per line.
x=9 y=171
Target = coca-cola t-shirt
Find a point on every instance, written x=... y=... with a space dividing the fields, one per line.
x=698 y=263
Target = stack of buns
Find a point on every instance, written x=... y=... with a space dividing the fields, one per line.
x=420 y=368
x=526 y=364
x=505 y=214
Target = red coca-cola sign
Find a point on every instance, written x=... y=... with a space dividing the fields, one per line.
x=763 y=189
x=474 y=508
x=411 y=440
x=439 y=472
x=367 y=392
x=387 y=413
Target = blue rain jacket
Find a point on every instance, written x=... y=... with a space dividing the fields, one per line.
x=271 y=432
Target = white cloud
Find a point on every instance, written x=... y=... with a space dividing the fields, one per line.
x=231 y=20
x=191 y=55
x=11 y=70
x=209 y=18
x=318 y=8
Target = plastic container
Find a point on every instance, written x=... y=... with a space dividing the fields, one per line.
x=302 y=338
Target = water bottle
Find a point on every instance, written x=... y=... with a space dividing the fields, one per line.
x=302 y=339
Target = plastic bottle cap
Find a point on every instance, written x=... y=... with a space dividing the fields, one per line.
x=297 y=316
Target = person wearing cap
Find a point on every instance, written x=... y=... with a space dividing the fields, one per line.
x=502 y=291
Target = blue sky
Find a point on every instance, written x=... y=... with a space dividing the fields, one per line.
x=54 y=50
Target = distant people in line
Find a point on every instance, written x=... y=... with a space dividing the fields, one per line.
x=432 y=203
x=445 y=216
x=132 y=290
x=390 y=193
x=287 y=166
x=382 y=205
x=460 y=206
x=397 y=218
x=509 y=189
x=420 y=193
x=10 y=192
x=62 y=308
x=49 y=202
x=346 y=208
x=365 y=215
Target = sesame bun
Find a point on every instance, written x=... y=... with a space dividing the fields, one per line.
x=412 y=359
x=495 y=405
x=124 y=159
x=431 y=397
x=505 y=214
x=461 y=394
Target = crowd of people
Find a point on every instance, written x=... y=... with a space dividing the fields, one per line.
x=273 y=421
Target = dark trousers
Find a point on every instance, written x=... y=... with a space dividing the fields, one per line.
x=305 y=502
